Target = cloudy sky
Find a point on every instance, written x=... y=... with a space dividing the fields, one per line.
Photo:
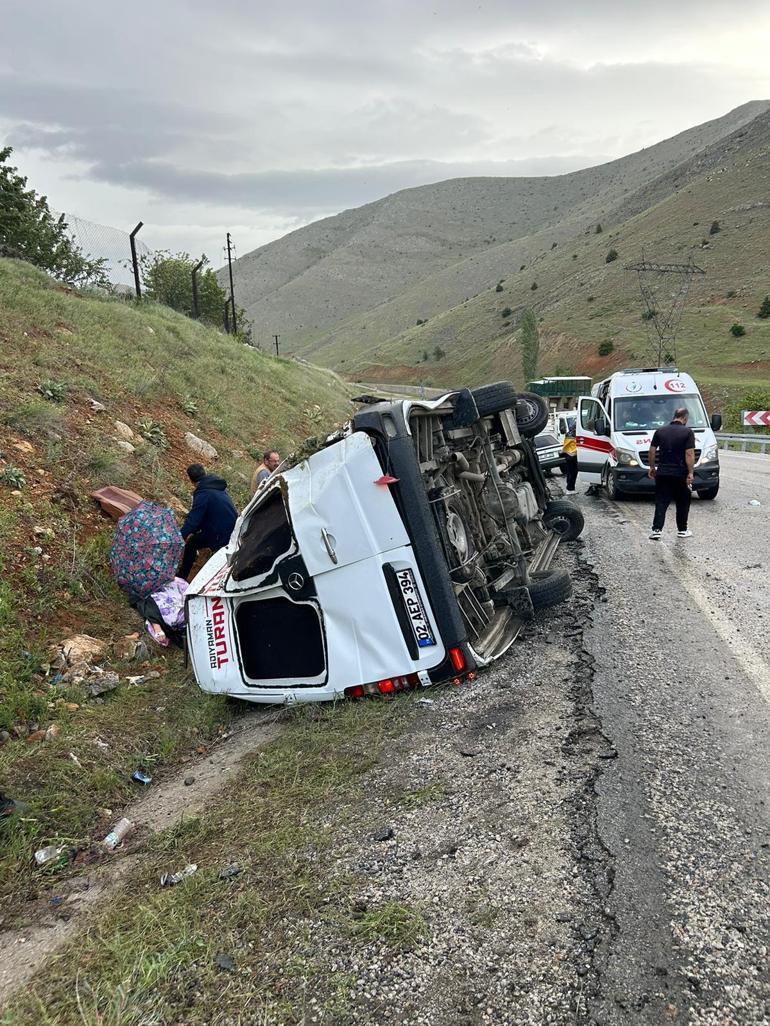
x=260 y=116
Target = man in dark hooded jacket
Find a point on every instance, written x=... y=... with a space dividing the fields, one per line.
x=211 y=519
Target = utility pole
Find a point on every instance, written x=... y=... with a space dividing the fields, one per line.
x=276 y=337
x=196 y=308
x=134 y=260
x=232 y=290
x=227 y=317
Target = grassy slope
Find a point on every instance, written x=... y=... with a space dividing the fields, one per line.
x=147 y=362
x=583 y=301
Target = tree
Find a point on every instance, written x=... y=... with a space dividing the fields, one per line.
x=29 y=231
x=764 y=310
x=598 y=229
x=530 y=345
x=498 y=288
x=505 y=312
x=167 y=279
x=737 y=329
x=715 y=227
x=606 y=347
x=612 y=255
x=438 y=353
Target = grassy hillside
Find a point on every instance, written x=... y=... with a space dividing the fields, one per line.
x=162 y=375
x=583 y=301
x=368 y=274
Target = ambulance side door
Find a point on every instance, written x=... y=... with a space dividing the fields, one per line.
x=592 y=434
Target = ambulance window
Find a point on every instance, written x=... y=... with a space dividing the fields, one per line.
x=589 y=411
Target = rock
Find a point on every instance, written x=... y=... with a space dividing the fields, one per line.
x=4 y=737
x=188 y=781
x=200 y=447
x=230 y=871
x=53 y=732
x=563 y=917
x=100 y=683
x=150 y=330
x=225 y=962
x=125 y=446
x=123 y=431
x=25 y=447
x=385 y=833
x=238 y=454
x=79 y=649
x=42 y=532
x=96 y=406
x=36 y=735
x=141 y=652
x=125 y=647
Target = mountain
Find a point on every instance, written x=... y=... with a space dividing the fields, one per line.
x=341 y=288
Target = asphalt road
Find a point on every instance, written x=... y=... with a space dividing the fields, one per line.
x=682 y=689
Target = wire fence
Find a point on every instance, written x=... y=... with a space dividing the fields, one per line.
x=101 y=241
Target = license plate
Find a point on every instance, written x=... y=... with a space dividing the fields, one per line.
x=415 y=609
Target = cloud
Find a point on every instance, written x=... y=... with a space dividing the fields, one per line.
x=279 y=113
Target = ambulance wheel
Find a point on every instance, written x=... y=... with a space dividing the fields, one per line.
x=611 y=484
x=564 y=519
x=708 y=493
x=549 y=587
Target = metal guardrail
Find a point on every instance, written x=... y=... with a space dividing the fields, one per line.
x=744 y=443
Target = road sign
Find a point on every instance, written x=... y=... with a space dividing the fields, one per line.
x=756 y=418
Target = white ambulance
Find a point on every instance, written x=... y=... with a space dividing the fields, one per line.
x=615 y=425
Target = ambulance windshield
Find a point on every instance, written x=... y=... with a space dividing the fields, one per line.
x=647 y=412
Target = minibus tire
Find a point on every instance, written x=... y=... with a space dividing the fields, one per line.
x=531 y=414
x=708 y=493
x=614 y=493
x=564 y=518
x=494 y=398
x=549 y=587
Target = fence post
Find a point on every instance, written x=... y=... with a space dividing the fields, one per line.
x=196 y=308
x=134 y=260
x=232 y=290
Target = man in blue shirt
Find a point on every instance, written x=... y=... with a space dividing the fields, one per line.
x=211 y=519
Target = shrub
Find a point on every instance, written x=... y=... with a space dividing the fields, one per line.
x=554 y=245
x=533 y=286
x=590 y=299
x=189 y=405
x=419 y=321
x=731 y=294
x=506 y=311
x=648 y=315
x=598 y=230
x=612 y=255
x=737 y=330
x=715 y=227
x=498 y=288
x=606 y=347
x=54 y=391
x=12 y=476
x=30 y=231
x=152 y=432
x=438 y=353
x=764 y=310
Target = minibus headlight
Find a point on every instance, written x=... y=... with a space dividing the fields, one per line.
x=627 y=459
x=712 y=453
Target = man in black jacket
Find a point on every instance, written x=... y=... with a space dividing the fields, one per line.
x=211 y=519
x=672 y=458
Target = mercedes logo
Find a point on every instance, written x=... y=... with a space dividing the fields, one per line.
x=296 y=582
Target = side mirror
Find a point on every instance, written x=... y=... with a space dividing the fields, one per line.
x=716 y=421
x=601 y=427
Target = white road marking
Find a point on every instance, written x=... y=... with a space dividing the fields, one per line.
x=745 y=654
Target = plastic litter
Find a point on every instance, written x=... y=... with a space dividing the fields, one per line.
x=426 y=701
x=754 y=502
x=170 y=879
x=119 y=831
x=140 y=777
x=49 y=853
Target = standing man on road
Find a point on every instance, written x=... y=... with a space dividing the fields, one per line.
x=569 y=451
x=269 y=463
x=672 y=458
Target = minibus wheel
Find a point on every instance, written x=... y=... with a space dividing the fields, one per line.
x=611 y=484
x=549 y=587
x=564 y=518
